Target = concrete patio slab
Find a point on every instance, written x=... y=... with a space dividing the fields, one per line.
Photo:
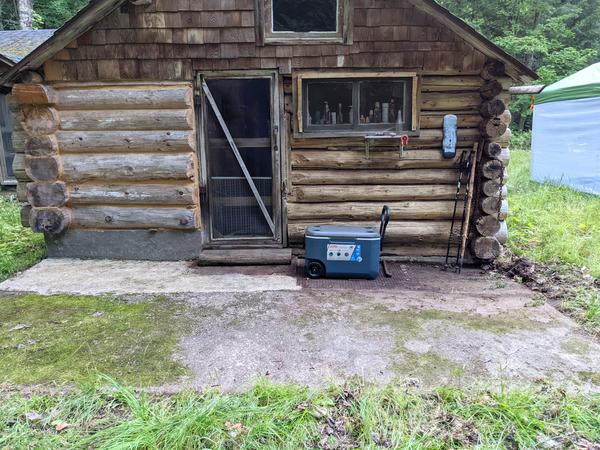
x=96 y=277
x=423 y=324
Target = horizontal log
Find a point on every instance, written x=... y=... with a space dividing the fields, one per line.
x=409 y=176
x=492 y=150
x=25 y=215
x=132 y=194
x=492 y=169
x=397 y=232
x=139 y=167
x=43 y=168
x=503 y=214
x=346 y=193
x=492 y=128
x=114 y=217
x=502 y=235
x=33 y=94
x=414 y=159
x=106 y=97
x=417 y=251
x=495 y=206
x=492 y=108
x=493 y=70
x=430 y=210
x=431 y=101
x=474 y=82
x=142 y=119
x=487 y=225
x=506 y=117
x=18 y=167
x=19 y=138
x=126 y=141
x=39 y=120
x=41 y=195
x=494 y=188
x=41 y=146
x=432 y=119
x=427 y=139
x=21 y=192
x=486 y=248
x=504 y=140
x=49 y=220
x=504 y=156
x=491 y=89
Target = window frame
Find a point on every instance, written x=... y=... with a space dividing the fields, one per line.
x=5 y=180
x=356 y=77
x=339 y=36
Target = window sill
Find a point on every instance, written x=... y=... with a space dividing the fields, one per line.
x=301 y=40
x=349 y=134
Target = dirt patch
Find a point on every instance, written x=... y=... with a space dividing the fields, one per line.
x=559 y=285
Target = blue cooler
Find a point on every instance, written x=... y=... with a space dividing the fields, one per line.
x=342 y=252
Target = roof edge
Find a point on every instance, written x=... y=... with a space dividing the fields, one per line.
x=71 y=30
x=521 y=71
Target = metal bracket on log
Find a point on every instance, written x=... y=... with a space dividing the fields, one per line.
x=369 y=138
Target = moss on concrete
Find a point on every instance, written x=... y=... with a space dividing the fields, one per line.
x=61 y=338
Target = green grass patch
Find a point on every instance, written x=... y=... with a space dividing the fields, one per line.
x=550 y=223
x=56 y=339
x=19 y=247
x=272 y=416
x=584 y=304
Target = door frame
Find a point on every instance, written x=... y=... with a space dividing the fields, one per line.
x=277 y=182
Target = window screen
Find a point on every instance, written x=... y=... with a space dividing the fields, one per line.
x=355 y=104
x=303 y=16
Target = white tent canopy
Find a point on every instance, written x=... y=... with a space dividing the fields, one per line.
x=566 y=132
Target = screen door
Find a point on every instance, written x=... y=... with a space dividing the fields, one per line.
x=240 y=157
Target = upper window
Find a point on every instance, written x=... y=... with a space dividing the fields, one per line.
x=317 y=20
x=357 y=104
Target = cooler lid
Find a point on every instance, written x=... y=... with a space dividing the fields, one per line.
x=336 y=231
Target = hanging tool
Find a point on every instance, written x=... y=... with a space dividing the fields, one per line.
x=385 y=218
x=464 y=178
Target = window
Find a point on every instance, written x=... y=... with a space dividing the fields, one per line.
x=7 y=153
x=305 y=20
x=357 y=104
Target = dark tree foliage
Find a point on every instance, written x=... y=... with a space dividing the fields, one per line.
x=554 y=37
x=9 y=17
x=54 y=13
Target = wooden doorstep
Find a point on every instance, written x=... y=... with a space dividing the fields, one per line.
x=245 y=257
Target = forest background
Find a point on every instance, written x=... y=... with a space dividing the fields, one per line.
x=554 y=37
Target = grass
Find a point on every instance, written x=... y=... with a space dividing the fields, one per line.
x=550 y=223
x=267 y=416
x=19 y=247
x=63 y=338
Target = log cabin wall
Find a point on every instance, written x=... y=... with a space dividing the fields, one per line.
x=136 y=51
x=110 y=156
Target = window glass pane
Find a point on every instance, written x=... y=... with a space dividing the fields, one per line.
x=329 y=103
x=382 y=101
x=302 y=16
x=6 y=136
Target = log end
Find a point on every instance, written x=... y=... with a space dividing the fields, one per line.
x=42 y=195
x=49 y=220
x=486 y=248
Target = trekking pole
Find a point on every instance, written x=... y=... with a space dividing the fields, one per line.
x=468 y=164
x=458 y=186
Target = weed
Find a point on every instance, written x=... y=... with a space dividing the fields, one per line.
x=355 y=415
x=584 y=304
x=20 y=248
x=551 y=223
x=70 y=338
